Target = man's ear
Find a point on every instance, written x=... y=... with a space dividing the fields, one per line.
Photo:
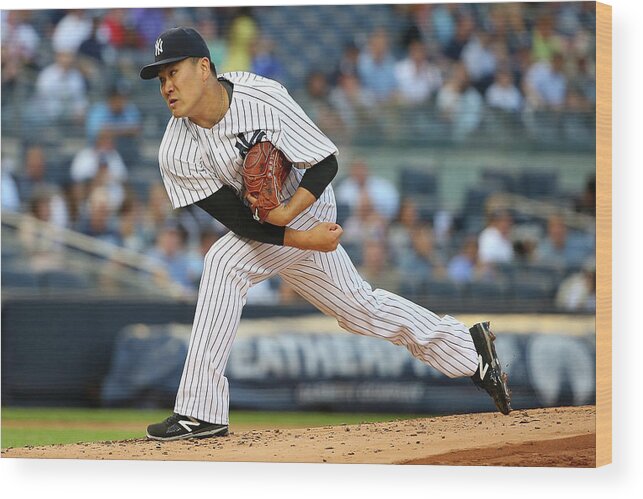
x=204 y=64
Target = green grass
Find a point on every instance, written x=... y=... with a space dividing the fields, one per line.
x=135 y=421
x=20 y=437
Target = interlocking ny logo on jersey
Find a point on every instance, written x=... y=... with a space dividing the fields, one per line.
x=158 y=47
x=243 y=144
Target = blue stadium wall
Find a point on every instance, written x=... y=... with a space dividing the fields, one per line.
x=124 y=353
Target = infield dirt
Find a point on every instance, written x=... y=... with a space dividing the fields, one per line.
x=561 y=436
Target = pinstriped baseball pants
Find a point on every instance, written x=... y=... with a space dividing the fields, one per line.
x=327 y=280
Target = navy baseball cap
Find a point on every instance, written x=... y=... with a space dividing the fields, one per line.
x=174 y=45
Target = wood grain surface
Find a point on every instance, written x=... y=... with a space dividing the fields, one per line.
x=603 y=234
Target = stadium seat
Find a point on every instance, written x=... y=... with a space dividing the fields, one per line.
x=18 y=279
x=538 y=184
x=532 y=294
x=414 y=181
x=540 y=274
x=60 y=279
x=488 y=296
x=343 y=212
x=499 y=180
x=441 y=288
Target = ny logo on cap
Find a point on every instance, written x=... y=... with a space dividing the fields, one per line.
x=158 y=47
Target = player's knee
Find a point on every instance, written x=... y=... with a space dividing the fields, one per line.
x=216 y=259
x=220 y=262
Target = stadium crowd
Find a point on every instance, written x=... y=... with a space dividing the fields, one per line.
x=530 y=64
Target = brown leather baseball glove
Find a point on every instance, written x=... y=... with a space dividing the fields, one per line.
x=265 y=170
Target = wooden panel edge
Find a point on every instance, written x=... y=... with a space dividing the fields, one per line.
x=603 y=234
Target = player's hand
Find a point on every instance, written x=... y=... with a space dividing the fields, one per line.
x=280 y=216
x=324 y=237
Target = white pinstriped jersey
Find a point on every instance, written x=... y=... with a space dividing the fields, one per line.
x=195 y=162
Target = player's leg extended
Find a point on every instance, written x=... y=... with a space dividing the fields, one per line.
x=231 y=267
x=331 y=283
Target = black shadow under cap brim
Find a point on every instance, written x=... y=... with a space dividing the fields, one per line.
x=152 y=70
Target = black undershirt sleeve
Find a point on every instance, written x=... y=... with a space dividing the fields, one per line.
x=227 y=208
x=318 y=176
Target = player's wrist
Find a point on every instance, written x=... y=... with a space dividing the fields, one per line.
x=296 y=238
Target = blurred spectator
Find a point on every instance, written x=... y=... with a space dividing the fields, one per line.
x=417 y=79
x=545 y=41
x=265 y=292
x=99 y=221
x=577 y=121
x=364 y=223
x=480 y=60
x=171 y=254
x=421 y=262
x=503 y=94
x=71 y=31
x=494 y=243
x=347 y=65
x=526 y=239
x=118 y=30
x=94 y=47
x=443 y=23
x=376 y=67
x=130 y=224
x=119 y=118
x=33 y=177
x=41 y=243
x=264 y=61
x=381 y=192
x=20 y=43
x=101 y=165
x=545 y=84
x=577 y=293
x=376 y=269
x=148 y=23
x=217 y=45
x=413 y=20
x=586 y=203
x=157 y=212
x=61 y=93
x=316 y=103
x=399 y=234
x=460 y=105
x=464 y=29
x=207 y=238
x=242 y=35
x=465 y=266
x=507 y=21
x=583 y=80
x=33 y=171
x=10 y=198
x=354 y=104
x=288 y=295
x=559 y=249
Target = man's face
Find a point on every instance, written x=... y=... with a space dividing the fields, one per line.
x=117 y=103
x=181 y=87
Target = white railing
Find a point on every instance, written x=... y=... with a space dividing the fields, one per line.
x=131 y=262
x=541 y=209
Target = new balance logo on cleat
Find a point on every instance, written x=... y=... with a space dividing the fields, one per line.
x=489 y=375
x=187 y=424
x=482 y=367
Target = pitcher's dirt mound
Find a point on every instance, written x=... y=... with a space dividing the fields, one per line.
x=562 y=436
